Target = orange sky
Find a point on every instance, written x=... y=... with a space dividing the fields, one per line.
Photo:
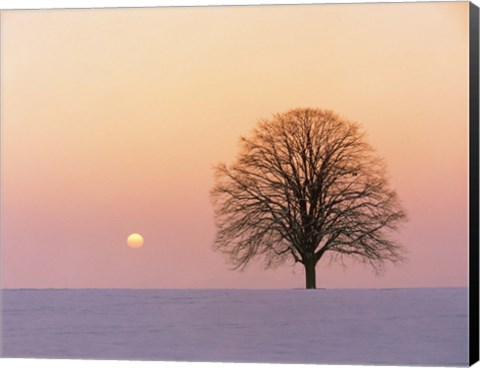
x=112 y=121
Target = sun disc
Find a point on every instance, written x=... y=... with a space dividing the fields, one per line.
x=135 y=240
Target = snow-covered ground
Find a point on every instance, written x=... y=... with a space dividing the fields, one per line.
x=363 y=326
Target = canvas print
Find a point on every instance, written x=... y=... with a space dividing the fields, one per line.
x=272 y=184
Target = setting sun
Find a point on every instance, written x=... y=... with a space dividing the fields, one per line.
x=135 y=241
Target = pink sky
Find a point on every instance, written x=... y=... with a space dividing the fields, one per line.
x=113 y=119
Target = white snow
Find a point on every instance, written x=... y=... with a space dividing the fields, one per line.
x=362 y=326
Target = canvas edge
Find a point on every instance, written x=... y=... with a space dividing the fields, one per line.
x=474 y=185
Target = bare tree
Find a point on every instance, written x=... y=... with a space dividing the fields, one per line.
x=304 y=184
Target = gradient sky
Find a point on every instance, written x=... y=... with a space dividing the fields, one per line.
x=113 y=119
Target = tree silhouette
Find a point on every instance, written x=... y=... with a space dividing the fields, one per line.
x=305 y=184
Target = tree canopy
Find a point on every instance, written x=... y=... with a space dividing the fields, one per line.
x=306 y=183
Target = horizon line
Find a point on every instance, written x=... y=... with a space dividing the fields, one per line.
x=249 y=289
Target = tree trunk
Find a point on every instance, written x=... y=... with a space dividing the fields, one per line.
x=310 y=277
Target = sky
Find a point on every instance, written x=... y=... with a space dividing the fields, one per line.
x=112 y=121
